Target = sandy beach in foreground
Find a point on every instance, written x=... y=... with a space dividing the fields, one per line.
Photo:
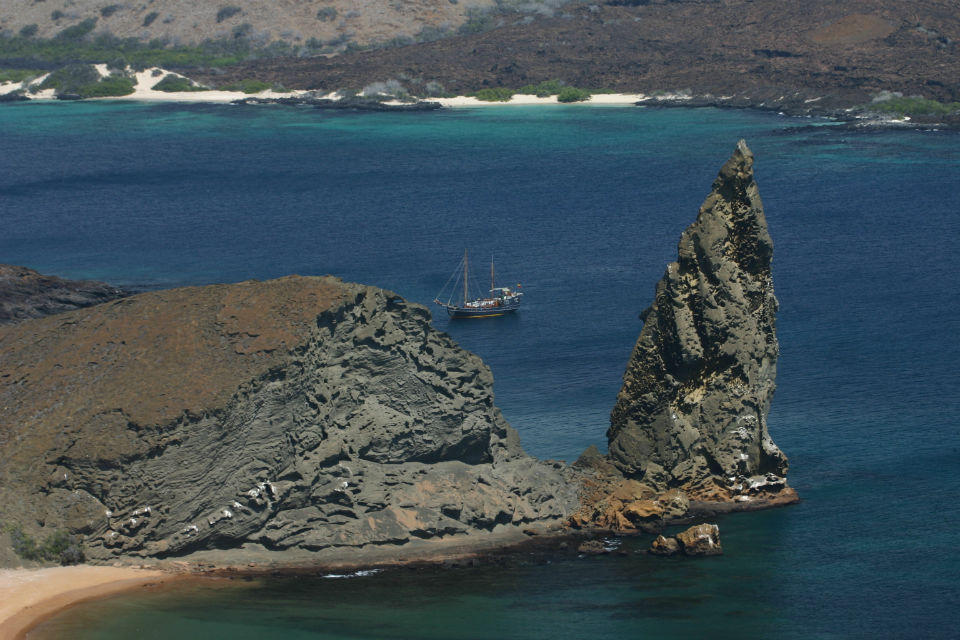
x=28 y=596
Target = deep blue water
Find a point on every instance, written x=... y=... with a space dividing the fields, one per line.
x=584 y=206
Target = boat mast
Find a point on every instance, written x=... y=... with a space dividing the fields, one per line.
x=464 y=277
x=491 y=275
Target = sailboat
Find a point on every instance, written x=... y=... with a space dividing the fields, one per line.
x=500 y=301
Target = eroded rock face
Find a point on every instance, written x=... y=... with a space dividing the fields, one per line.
x=25 y=294
x=299 y=413
x=696 y=393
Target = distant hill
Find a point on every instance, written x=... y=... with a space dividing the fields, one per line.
x=820 y=53
x=760 y=49
x=336 y=22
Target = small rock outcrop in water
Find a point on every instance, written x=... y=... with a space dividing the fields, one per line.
x=24 y=294
x=692 y=411
x=298 y=414
x=699 y=540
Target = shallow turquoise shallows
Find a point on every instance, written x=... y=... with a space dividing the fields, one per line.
x=584 y=207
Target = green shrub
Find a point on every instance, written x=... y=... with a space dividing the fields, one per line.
x=242 y=31
x=149 y=18
x=247 y=86
x=915 y=105
x=70 y=78
x=59 y=546
x=109 y=87
x=225 y=13
x=109 y=10
x=428 y=33
x=174 y=83
x=326 y=14
x=84 y=80
x=478 y=21
x=494 y=94
x=544 y=89
x=572 y=94
x=18 y=75
x=29 y=31
x=23 y=545
x=78 y=31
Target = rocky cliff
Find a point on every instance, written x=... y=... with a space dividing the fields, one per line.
x=24 y=293
x=692 y=413
x=299 y=413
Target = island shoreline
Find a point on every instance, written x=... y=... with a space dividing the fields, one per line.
x=24 y=607
x=843 y=108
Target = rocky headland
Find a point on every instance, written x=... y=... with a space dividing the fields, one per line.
x=310 y=419
x=24 y=294
x=297 y=413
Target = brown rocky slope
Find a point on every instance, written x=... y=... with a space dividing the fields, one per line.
x=293 y=21
x=811 y=56
x=300 y=413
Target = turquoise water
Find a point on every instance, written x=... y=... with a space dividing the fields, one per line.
x=584 y=206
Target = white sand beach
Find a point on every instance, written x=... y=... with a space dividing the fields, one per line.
x=525 y=99
x=147 y=79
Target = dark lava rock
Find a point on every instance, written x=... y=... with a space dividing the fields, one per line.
x=592 y=548
x=692 y=411
x=24 y=294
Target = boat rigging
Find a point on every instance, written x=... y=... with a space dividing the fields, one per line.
x=499 y=301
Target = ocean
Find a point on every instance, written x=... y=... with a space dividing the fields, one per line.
x=584 y=207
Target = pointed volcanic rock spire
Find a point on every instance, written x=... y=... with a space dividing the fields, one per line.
x=696 y=393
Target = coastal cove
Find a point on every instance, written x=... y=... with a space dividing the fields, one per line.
x=584 y=207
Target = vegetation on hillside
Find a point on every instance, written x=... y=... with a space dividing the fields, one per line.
x=84 y=81
x=914 y=106
x=544 y=89
x=494 y=94
x=57 y=547
x=79 y=43
x=19 y=75
x=173 y=83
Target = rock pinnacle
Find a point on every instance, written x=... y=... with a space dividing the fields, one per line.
x=692 y=412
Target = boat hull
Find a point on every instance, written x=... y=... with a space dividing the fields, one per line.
x=482 y=311
x=460 y=312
